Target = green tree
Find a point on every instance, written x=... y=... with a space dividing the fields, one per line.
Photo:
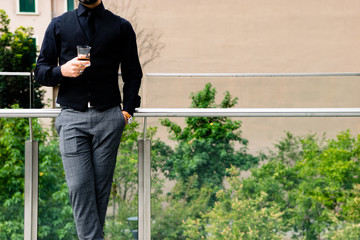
x=204 y=149
x=347 y=225
x=237 y=217
x=348 y=231
x=308 y=188
x=206 y=146
x=313 y=181
x=17 y=54
x=55 y=214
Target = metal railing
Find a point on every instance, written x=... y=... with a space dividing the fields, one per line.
x=202 y=112
x=252 y=75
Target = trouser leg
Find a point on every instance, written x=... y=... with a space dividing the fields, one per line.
x=107 y=130
x=103 y=182
x=82 y=193
x=88 y=144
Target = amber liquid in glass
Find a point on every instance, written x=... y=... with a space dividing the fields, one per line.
x=84 y=58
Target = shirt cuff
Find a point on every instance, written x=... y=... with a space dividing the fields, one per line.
x=56 y=72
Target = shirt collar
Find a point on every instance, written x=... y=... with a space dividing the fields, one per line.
x=99 y=10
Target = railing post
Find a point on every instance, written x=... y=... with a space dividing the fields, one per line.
x=31 y=180
x=144 y=202
x=31 y=189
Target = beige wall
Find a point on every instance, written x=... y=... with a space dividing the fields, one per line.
x=254 y=36
x=243 y=36
x=257 y=36
x=37 y=20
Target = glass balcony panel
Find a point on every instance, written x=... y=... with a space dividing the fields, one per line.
x=194 y=181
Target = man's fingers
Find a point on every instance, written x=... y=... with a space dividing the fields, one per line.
x=74 y=67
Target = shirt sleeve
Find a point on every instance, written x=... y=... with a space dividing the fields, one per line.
x=130 y=70
x=47 y=71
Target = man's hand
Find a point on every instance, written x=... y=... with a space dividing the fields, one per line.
x=127 y=117
x=74 y=68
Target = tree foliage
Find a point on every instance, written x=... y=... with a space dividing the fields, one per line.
x=204 y=149
x=17 y=54
x=236 y=217
x=206 y=145
x=309 y=189
x=55 y=214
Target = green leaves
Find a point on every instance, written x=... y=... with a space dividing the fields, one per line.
x=237 y=217
x=17 y=54
x=308 y=188
x=206 y=145
x=55 y=215
x=205 y=148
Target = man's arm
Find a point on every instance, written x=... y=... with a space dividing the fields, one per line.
x=47 y=71
x=130 y=70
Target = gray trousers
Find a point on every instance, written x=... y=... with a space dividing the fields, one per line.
x=89 y=143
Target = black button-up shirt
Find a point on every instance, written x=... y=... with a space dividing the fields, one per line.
x=121 y=38
x=82 y=13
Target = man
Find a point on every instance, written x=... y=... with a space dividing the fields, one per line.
x=91 y=121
